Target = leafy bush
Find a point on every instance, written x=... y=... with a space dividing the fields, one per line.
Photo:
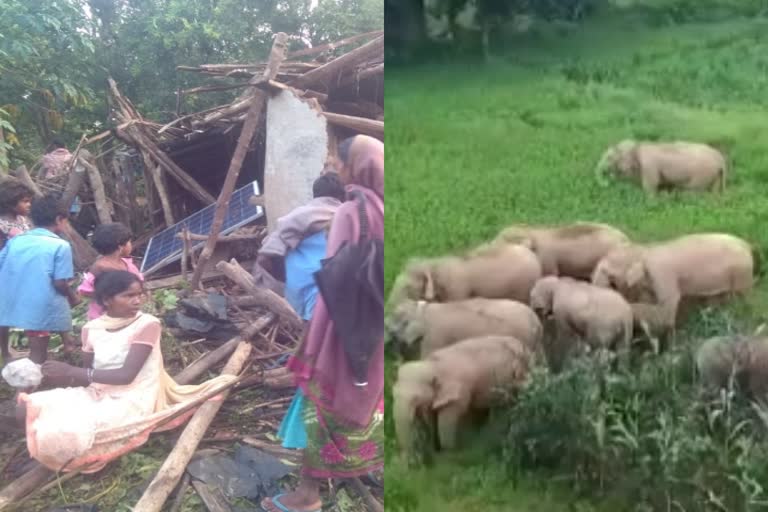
x=647 y=437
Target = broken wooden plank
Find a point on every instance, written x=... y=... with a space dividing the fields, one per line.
x=276 y=57
x=172 y=469
x=360 y=124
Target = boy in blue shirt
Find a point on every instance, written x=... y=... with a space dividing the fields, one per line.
x=35 y=271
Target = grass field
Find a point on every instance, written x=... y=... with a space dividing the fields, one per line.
x=471 y=149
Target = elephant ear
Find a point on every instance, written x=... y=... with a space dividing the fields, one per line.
x=446 y=393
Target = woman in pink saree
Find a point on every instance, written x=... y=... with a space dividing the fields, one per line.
x=344 y=421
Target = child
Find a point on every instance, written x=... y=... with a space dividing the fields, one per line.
x=37 y=267
x=113 y=242
x=15 y=203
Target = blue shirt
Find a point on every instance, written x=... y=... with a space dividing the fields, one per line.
x=300 y=266
x=29 y=264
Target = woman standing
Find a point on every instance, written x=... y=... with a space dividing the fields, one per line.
x=344 y=421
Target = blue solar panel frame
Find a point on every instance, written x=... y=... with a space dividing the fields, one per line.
x=165 y=247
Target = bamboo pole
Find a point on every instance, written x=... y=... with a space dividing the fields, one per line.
x=258 y=101
x=173 y=468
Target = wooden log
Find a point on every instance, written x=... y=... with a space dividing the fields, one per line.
x=359 y=124
x=172 y=469
x=324 y=77
x=371 y=503
x=97 y=185
x=211 y=497
x=192 y=372
x=267 y=298
x=276 y=57
x=332 y=46
x=259 y=325
x=21 y=174
x=24 y=485
x=229 y=238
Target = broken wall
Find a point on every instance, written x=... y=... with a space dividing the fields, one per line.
x=296 y=151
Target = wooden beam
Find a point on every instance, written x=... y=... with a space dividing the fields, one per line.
x=331 y=72
x=173 y=468
x=228 y=238
x=258 y=104
x=332 y=46
x=361 y=124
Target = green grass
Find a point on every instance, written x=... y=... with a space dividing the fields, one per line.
x=471 y=149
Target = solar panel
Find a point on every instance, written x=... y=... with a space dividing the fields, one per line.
x=166 y=247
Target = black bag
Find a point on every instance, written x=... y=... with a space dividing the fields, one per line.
x=351 y=283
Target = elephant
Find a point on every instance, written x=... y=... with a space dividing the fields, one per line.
x=427 y=327
x=600 y=317
x=703 y=265
x=491 y=272
x=684 y=165
x=738 y=359
x=649 y=320
x=456 y=381
x=572 y=250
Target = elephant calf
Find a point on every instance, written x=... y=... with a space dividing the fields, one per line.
x=571 y=250
x=493 y=272
x=453 y=382
x=655 y=165
x=437 y=325
x=600 y=317
x=739 y=359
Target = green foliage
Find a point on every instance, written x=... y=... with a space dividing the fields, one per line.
x=55 y=58
x=518 y=143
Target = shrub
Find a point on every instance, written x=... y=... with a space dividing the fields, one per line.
x=647 y=436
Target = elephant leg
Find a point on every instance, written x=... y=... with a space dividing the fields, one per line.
x=651 y=180
x=448 y=419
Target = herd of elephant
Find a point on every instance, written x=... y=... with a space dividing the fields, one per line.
x=472 y=324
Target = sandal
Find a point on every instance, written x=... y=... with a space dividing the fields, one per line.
x=275 y=501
